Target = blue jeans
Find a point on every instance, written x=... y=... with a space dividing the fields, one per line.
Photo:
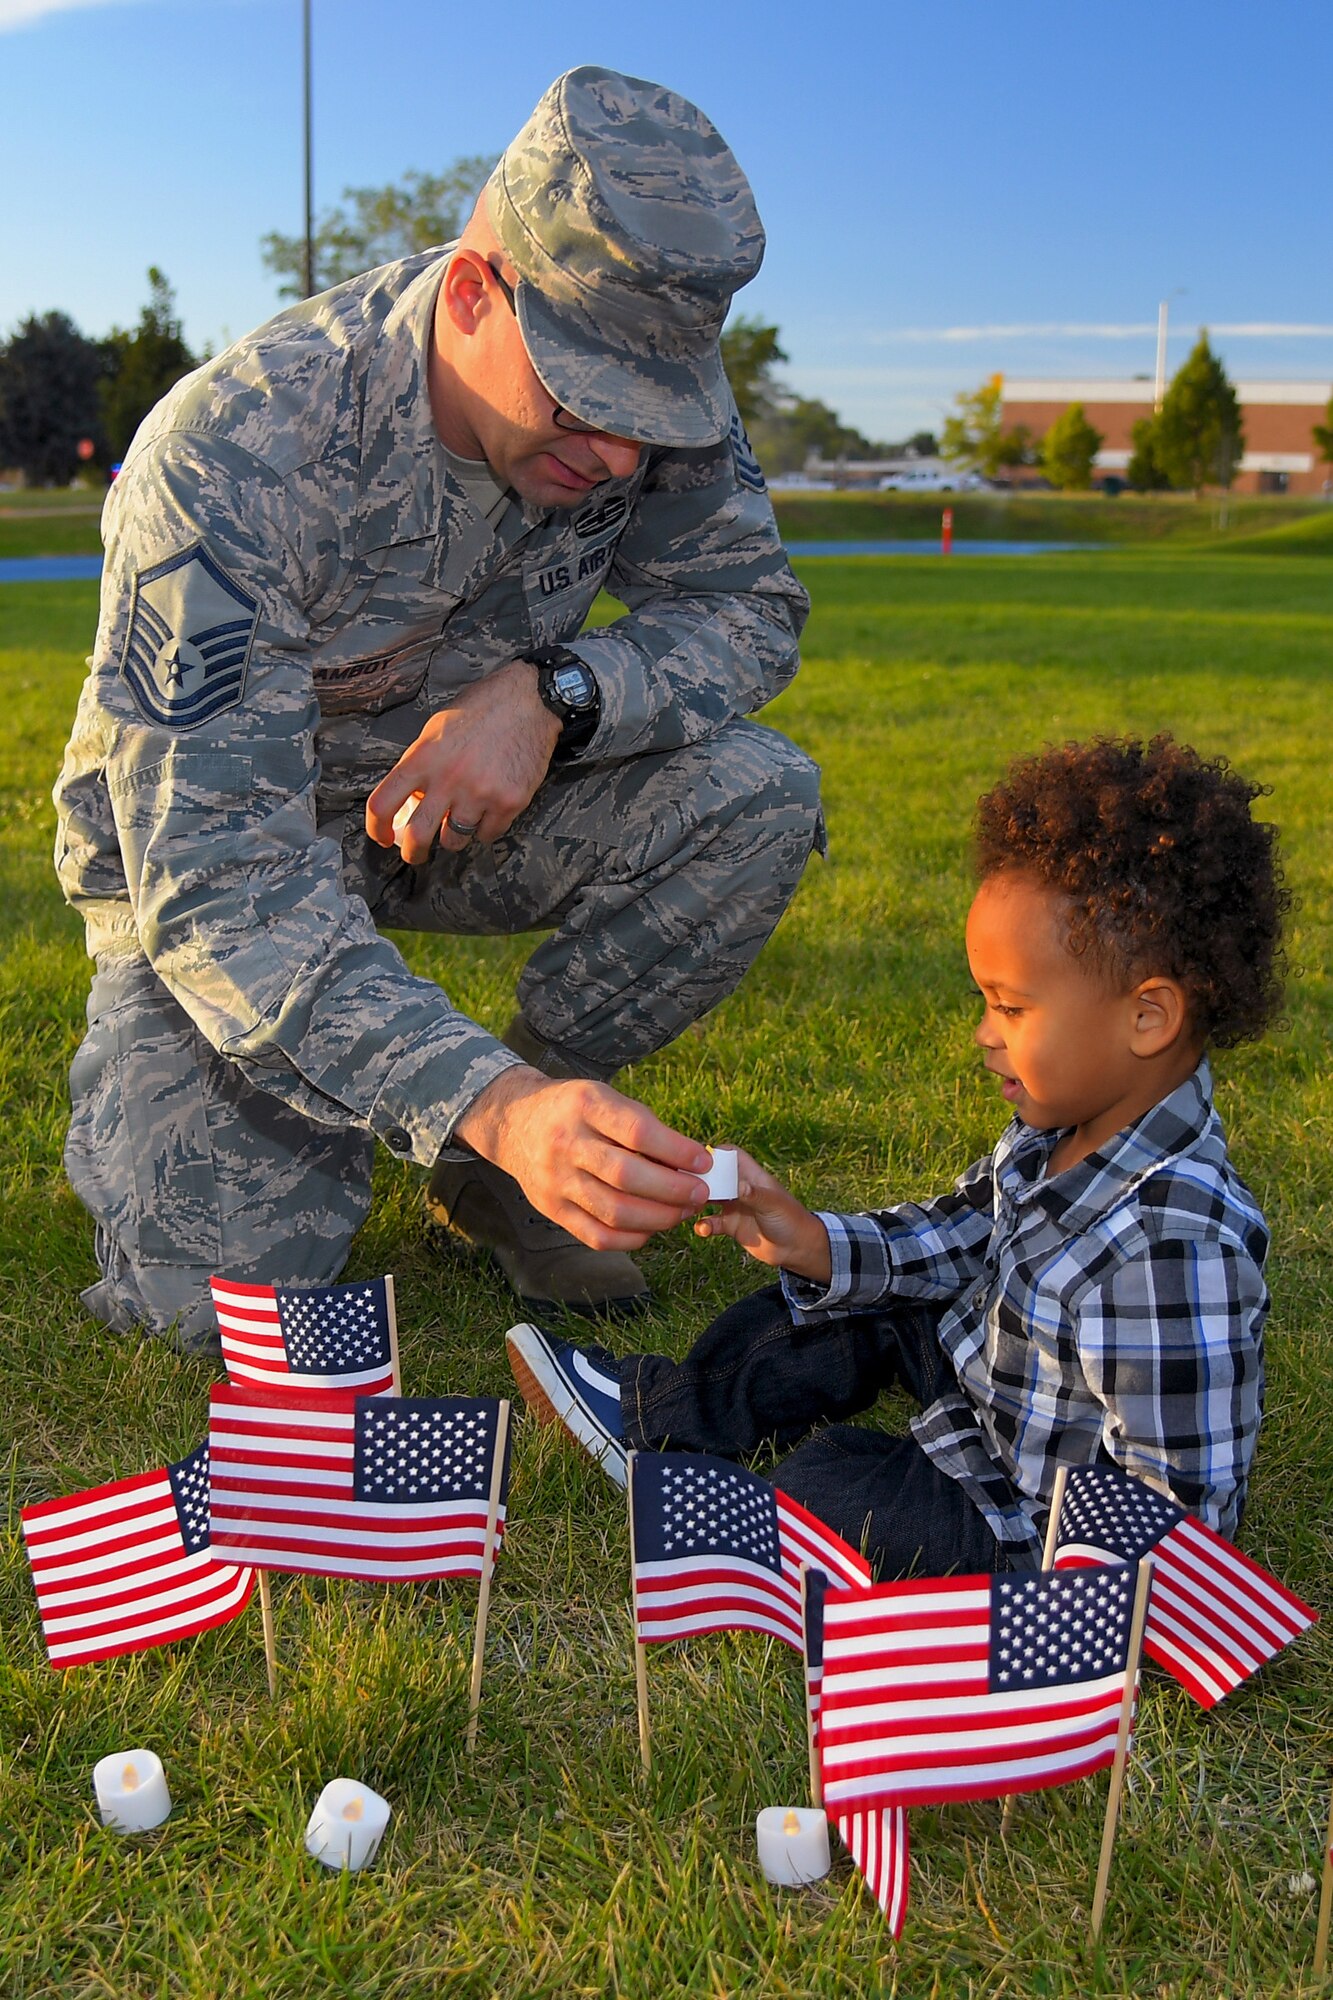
x=755 y=1379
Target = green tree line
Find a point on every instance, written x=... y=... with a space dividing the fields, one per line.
x=70 y=403
x=60 y=390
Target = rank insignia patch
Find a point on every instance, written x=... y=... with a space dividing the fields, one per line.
x=188 y=646
x=747 y=465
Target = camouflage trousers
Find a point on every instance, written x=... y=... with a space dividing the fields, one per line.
x=658 y=881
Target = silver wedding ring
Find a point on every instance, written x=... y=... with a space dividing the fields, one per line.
x=457 y=826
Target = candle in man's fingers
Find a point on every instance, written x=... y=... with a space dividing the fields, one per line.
x=402 y=819
x=723 y=1178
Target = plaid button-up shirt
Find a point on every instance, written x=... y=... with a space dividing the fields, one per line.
x=1112 y=1313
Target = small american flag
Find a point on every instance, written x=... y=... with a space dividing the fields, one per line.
x=970 y=1687
x=311 y=1337
x=382 y=1488
x=876 y=1837
x=1214 y=1616
x=718 y=1549
x=123 y=1567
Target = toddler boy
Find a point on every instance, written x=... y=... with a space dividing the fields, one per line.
x=1091 y=1293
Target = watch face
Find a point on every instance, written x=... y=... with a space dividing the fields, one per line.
x=574 y=687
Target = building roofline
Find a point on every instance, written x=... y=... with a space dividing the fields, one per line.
x=1048 y=389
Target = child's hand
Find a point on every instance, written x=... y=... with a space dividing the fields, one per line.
x=771 y=1225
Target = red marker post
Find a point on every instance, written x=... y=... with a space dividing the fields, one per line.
x=946 y=532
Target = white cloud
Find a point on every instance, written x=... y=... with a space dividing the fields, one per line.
x=21 y=13
x=1265 y=330
x=1092 y=330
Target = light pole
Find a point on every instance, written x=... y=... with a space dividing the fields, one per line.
x=1159 y=380
x=308 y=269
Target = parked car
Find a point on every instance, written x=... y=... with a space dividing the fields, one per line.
x=930 y=476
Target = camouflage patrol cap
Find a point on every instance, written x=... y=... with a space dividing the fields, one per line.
x=630 y=225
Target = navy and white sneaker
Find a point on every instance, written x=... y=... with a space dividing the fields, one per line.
x=573 y=1386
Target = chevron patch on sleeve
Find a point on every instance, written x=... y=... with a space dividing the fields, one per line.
x=188 y=646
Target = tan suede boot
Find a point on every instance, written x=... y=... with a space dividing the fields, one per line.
x=548 y=1268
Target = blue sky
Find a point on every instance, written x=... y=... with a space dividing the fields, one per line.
x=951 y=187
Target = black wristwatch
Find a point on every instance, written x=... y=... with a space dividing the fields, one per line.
x=568 y=687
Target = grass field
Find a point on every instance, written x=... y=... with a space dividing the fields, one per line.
x=66 y=523
x=1161 y=520
x=546 y=1865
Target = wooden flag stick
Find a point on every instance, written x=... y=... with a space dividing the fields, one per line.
x=811 y=1738
x=1325 y=1901
x=487 y=1571
x=1137 y=1623
x=640 y=1650
x=1053 y=1518
x=391 y=1310
x=1047 y=1559
x=270 y=1641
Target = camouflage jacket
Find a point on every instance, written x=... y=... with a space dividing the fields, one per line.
x=294 y=582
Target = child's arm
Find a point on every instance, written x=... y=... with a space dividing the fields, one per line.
x=919 y=1250
x=771 y=1225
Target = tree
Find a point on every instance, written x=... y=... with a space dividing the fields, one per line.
x=143 y=365
x=375 y=225
x=975 y=434
x=1144 y=471
x=1199 y=441
x=1069 y=450
x=786 y=430
x=750 y=353
x=1018 y=446
x=802 y=428
x=49 y=376
x=1323 y=435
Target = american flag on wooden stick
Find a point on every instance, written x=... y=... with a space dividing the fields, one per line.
x=971 y=1687
x=310 y=1337
x=385 y=1488
x=717 y=1549
x=126 y=1566
x=875 y=1837
x=1214 y=1616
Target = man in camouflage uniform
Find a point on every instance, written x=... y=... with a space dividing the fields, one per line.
x=331 y=694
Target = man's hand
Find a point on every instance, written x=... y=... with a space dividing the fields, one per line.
x=480 y=761
x=595 y=1162
x=771 y=1225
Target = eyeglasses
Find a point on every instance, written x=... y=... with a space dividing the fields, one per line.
x=560 y=416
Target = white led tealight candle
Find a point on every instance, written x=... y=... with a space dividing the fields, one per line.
x=347 y=1825
x=723 y=1178
x=131 y=1789
x=402 y=819
x=793 y=1845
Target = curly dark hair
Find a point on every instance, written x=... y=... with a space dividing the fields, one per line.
x=1164 y=869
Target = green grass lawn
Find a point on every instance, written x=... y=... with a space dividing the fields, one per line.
x=55 y=523
x=1167 y=520
x=66 y=523
x=546 y=1864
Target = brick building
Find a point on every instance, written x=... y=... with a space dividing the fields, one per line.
x=1276 y=417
